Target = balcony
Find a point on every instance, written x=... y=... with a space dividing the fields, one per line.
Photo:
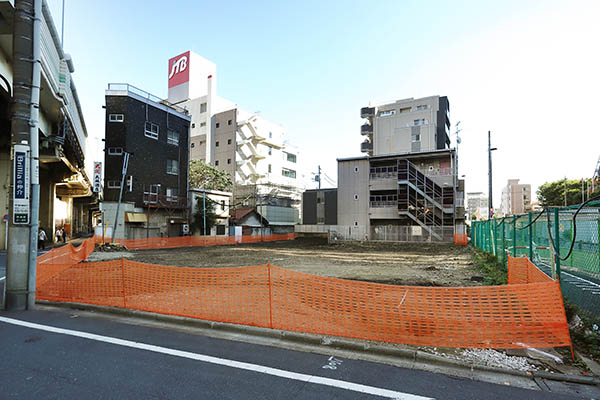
x=366 y=129
x=366 y=147
x=162 y=201
x=378 y=211
x=367 y=112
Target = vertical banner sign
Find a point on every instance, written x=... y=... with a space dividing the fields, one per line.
x=21 y=206
x=97 y=176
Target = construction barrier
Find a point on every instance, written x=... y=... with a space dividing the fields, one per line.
x=199 y=241
x=461 y=239
x=508 y=316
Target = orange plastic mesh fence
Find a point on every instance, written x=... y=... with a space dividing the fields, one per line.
x=522 y=270
x=199 y=241
x=460 y=239
x=272 y=297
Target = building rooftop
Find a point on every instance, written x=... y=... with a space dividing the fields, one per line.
x=406 y=155
x=125 y=89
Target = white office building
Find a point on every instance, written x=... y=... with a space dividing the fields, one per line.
x=263 y=165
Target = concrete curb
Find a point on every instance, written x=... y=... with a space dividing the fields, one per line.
x=415 y=357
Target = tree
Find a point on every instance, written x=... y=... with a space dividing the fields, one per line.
x=204 y=206
x=553 y=193
x=206 y=176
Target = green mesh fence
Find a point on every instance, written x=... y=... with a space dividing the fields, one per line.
x=533 y=234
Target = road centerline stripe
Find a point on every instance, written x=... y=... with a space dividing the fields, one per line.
x=319 y=380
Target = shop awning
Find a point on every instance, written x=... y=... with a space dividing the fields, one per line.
x=135 y=217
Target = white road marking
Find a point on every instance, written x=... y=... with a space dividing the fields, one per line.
x=3 y=278
x=355 y=387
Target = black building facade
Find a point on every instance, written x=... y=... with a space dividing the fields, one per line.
x=319 y=206
x=156 y=135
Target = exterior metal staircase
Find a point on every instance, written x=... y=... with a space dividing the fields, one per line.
x=422 y=200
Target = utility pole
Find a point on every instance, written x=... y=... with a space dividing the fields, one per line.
x=490 y=201
x=318 y=176
x=24 y=178
x=124 y=173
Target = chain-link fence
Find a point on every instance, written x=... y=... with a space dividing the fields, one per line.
x=563 y=242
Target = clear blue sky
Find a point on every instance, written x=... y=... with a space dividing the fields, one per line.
x=527 y=70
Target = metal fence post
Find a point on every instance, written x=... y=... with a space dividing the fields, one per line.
x=557 y=242
x=530 y=234
x=514 y=235
x=503 y=242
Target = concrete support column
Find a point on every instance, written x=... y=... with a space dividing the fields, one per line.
x=4 y=193
x=47 y=194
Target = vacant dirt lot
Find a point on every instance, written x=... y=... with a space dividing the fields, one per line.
x=400 y=264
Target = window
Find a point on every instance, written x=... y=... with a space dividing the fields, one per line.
x=115 y=151
x=113 y=184
x=290 y=173
x=404 y=110
x=217 y=125
x=355 y=223
x=356 y=170
x=418 y=122
x=387 y=113
x=202 y=124
x=193 y=145
x=203 y=107
x=270 y=150
x=172 y=137
x=171 y=194
x=172 y=167
x=228 y=141
x=115 y=117
x=217 y=144
x=151 y=130
x=269 y=168
x=422 y=107
x=355 y=196
x=229 y=122
x=290 y=157
x=217 y=163
x=270 y=135
x=223 y=205
x=229 y=161
x=415 y=137
x=151 y=189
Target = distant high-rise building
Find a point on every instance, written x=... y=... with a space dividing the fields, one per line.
x=406 y=126
x=477 y=206
x=516 y=198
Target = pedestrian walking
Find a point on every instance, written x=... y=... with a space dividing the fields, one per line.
x=64 y=235
x=58 y=235
x=42 y=239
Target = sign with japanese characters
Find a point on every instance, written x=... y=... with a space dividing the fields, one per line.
x=21 y=208
x=97 y=177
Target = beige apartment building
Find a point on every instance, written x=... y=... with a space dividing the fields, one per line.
x=516 y=198
x=406 y=188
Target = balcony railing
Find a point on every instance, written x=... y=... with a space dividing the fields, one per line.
x=366 y=129
x=164 y=201
x=383 y=204
x=366 y=147
x=367 y=112
x=383 y=175
x=126 y=87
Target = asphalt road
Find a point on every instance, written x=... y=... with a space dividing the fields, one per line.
x=38 y=363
